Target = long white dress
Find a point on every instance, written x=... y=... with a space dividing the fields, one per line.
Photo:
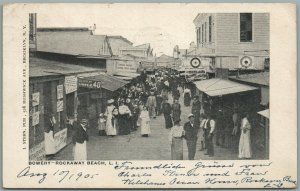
x=110 y=128
x=80 y=152
x=245 y=141
x=49 y=143
x=145 y=123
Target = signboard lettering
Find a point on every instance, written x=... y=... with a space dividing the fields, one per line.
x=35 y=118
x=60 y=139
x=70 y=84
x=60 y=105
x=37 y=153
x=35 y=99
x=60 y=91
x=89 y=83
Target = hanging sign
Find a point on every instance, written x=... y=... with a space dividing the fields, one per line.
x=70 y=84
x=60 y=105
x=35 y=99
x=35 y=118
x=60 y=91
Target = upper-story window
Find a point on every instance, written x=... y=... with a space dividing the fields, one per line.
x=246 y=27
x=205 y=25
x=209 y=28
x=198 y=36
x=202 y=37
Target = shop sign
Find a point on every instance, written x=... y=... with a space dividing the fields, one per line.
x=60 y=139
x=37 y=153
x=60 y=105
x=126 y=66
x=60 y=91
x=70 y=84
x=35 y=118
x=35 y=99
x=89 y=83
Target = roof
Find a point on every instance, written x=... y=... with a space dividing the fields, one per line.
x=41 y=67
x=217 y=87
x=52 y=29
x=262 y=78
x=265 y=113
x=118 y=42
x=165 y=58
x=121 y=38
x=71 y=42
x=146 y=46
x=107 y=82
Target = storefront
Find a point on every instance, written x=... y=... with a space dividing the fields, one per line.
x=52 y=92
x=226 y=95
x=47 y=98
x=93 y=93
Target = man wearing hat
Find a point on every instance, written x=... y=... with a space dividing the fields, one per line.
x=79 y=139
x=191 y=131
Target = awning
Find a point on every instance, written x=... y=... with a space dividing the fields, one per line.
x=101 y=81
x=265 y=113
x=218 y=87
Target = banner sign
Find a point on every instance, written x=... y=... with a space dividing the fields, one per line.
x=85 y=83
x=37 y=153
x=70 y=84
x=60 y=139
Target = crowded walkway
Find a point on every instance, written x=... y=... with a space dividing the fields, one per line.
x=135 y=147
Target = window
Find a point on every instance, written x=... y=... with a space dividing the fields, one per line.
x=202 y=40
x=199 y=35
x=209 y=28
x=246 y=27
x=205 y=31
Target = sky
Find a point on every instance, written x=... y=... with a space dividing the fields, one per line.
x=161 y=25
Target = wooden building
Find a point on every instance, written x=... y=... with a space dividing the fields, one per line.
x=233 y=40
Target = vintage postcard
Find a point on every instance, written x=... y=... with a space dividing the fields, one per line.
x=149 y=96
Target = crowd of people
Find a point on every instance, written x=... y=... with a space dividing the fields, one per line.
x=136 y=105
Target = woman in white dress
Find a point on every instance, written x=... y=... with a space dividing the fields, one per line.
x=245 y=141
x=145 y=122
x=110 y=129
x=176 y=140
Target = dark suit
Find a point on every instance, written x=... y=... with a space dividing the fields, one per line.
x=79 y=134
x=191 y=132
x=196 y=107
